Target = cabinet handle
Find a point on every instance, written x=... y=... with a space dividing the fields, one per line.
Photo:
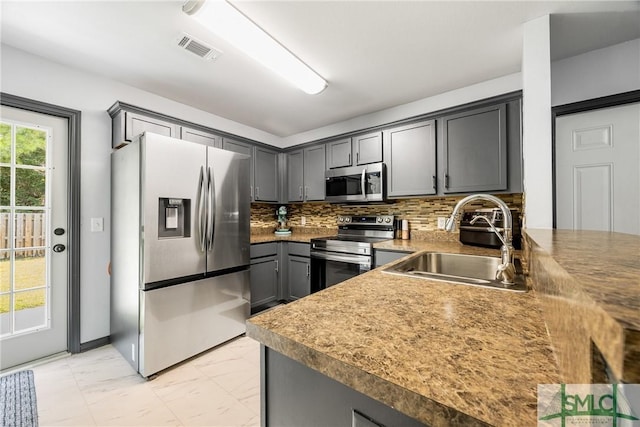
x=276 y=266
x=308 y=270
x=251 y=191
x=257 y=193
x=358 y=157
x=434 y=182
x=300 y=192
x=349 y=158
x=306 y=193
x=446 y=181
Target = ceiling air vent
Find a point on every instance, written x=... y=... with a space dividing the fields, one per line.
x=198 y=47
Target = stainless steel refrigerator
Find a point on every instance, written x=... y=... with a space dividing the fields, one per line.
x=179 y=250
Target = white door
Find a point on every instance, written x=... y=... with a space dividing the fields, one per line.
x=33 y=236
x=597 y=162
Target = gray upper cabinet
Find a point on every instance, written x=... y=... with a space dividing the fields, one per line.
x=305 y=174
x=266 y=181
x=201 y=137
x=127 y=125
x=314 y=168
x=368 y=148
x=474 y=150
x=410 y=156
x=339 y=153
x=295 y=176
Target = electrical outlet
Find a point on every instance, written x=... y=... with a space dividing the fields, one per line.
x=442 y=222
x=303 y=220
x=97 y=224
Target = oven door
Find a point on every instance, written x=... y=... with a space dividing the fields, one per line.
x=330 y=268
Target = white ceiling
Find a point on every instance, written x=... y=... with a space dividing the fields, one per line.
x=375 y=55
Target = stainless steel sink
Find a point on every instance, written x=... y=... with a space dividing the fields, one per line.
x=457 y=268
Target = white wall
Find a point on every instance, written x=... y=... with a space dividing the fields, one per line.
x=536 y=123
x=487 y=89
x=602 y=72
x=33 y=77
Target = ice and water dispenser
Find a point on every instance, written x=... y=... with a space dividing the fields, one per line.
x=174 y=217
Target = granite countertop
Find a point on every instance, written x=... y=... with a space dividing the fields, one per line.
x=607 y=265
x=441 y=353
x=589 y=285
x=302 y=234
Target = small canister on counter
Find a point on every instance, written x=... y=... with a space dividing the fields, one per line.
x=405 y=229
x=397 y=226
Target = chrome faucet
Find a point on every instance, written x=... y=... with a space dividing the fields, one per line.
x=506 y=270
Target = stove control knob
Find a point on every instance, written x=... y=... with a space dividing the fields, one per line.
x=387 y=220
x=340 y=219
x=348 y=219
x=379 y=219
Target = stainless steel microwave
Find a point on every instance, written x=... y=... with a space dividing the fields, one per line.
x=364 y=183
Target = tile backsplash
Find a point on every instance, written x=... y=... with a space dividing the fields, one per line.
x=422 y=213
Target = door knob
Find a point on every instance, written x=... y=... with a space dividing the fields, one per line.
x=59 y=248
x=58 y=231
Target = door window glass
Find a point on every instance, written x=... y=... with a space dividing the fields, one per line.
x=24 y=205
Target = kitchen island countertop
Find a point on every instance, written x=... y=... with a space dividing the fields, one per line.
x=443 y=354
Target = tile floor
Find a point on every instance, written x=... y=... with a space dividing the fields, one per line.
x=98 y=388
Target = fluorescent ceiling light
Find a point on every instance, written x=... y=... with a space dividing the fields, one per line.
x=229 y=23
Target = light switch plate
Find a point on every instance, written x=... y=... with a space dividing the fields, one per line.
x=303 y=220
x=97 y=225
x=442 y=221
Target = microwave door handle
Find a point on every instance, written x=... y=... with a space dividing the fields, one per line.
x=362 y=182
x=211 y=205
x=200 y=205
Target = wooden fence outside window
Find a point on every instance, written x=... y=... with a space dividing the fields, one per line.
x=30 y=233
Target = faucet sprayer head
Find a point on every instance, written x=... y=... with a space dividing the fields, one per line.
x=450 y=223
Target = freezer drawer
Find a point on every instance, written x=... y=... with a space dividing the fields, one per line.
x=178 y=322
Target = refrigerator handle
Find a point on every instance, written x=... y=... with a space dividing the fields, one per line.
x=200 y=202
x=211 y=205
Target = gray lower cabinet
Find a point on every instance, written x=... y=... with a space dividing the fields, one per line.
x=305 y=174
x=299 y=280
x=382 y=257
x=298 y=270
x=296 y=395
x=201 y=137
x=410 y=156
x=264 y=274
x=474 y=150
x=368 y=148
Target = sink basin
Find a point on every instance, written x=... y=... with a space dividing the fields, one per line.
x=471 y=270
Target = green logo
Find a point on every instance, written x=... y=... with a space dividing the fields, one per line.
x=588 y=404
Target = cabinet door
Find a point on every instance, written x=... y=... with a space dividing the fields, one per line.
x=299 y=271
x=242 y=148
x=368 y=148
x=205 y=138
x=410 y=156
x=314 y=168
x=266 y=175
x=339 y=153
x=295 y=176
x=474 y=149
x=135 y=124
x=263 y=275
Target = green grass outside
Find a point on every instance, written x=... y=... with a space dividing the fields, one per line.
x=30 y=272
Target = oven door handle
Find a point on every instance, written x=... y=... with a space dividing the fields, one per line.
x=349 y=259
x=362 y=183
